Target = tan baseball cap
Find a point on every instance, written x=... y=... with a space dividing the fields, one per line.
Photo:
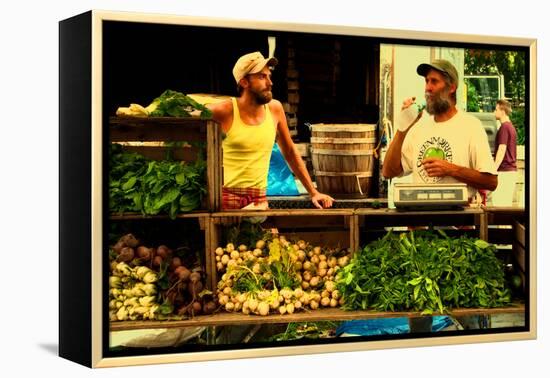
x=440 y=65
x=251 y=63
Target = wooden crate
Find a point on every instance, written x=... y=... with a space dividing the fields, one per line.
x=292 y=122
x=324 y=227
x=154 y=135
x=332 y=228
x=293 y=97
x=374 y=223
x=292 y=84
x=290 y=108
x=156 y=230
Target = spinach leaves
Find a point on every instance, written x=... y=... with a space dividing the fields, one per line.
x=423 y=271
x=138 y=184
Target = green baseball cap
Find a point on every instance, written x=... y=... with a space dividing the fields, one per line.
x=441 y=65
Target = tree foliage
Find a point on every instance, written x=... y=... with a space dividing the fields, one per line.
x=510 y=64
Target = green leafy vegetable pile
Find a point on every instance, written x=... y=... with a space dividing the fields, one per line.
x=138 y=184
x=175 y=104
x=423 y=271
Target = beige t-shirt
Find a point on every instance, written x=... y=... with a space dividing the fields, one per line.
x=461 y=140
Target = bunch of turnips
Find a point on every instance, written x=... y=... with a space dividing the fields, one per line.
x=155 y=283
x=278 y=276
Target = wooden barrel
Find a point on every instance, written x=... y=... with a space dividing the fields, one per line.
x=342 y=157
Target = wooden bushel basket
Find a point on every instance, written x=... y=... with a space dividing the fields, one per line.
x=342 y=157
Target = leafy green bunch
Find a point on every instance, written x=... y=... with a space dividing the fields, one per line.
x=137 y=184
x=175 y=104
x=423 y=271
x=277 y=272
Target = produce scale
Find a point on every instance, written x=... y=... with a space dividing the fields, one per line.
x=434 y=196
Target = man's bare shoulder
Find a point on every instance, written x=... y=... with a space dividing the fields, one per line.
x=276 y=107
x=275 y=104
x=221 y=110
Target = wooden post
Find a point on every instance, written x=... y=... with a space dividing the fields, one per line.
x=483 y=226
x=210 y=164
x=214 y=242
x=354 y=233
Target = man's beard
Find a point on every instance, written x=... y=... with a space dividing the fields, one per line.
x=438 y=103
x=262 y=97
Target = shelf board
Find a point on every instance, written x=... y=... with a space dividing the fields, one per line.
x=123 y=129
x=326 y=314
x=505 y=215
x=304 y=202
x=139 y=216
x=151 y=121
x=282 y=212
x=394 y=212
x=506 y=210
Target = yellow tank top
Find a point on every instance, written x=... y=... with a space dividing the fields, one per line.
x=247 y=151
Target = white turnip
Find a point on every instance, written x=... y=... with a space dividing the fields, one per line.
x=260 y=244
x=314 y=281
x=150 y=277
x=225 y=259
x=315 y=260
x=115 y=282
x=330 y=286
x=290 y=308
x=253 y=304
x=263 y=308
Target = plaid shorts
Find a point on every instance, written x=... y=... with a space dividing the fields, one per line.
x=237 y=198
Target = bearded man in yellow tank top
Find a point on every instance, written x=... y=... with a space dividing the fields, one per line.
x=252 y=122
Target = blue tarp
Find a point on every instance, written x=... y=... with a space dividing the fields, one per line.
x=280 y=180
x=388 y=326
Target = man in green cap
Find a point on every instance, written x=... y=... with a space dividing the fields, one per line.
x=446 y=145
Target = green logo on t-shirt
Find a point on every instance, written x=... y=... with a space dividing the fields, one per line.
x=434 y=147
x=434 y=152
